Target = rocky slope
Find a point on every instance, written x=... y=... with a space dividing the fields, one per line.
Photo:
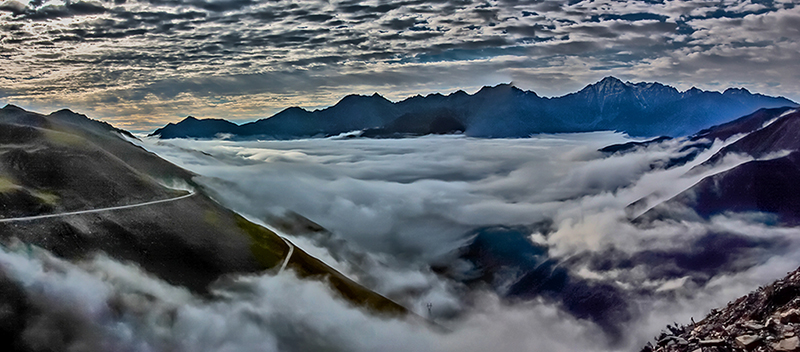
x=765 y=320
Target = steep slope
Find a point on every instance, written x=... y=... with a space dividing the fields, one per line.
x=768 y=186
x=505 y=259
x=783 y=134
x=742 y=125
x=642 y=109
x=632 y=146
x=764 y=320
x=63 y=162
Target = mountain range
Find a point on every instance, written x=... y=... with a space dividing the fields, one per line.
x=65 y=162
x=502 y=111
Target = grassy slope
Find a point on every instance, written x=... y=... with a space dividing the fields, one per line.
x=62 y=162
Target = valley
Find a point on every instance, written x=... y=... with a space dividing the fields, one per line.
x=402 y=228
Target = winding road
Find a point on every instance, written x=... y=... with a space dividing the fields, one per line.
x=120 y=207
x=289 y=255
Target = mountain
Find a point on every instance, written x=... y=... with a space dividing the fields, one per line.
x=764 y=320
x=742 y=125
x=65 y=162
x=640 y=109
x=767 y=184
x=191 y=126
x=437 y=121
x=632 y=146
x=782 y=134
x=506 y=260
x=353 y=112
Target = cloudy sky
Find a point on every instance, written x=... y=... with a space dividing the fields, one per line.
x=142 y=63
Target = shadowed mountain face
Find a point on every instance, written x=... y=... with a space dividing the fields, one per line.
x=783 y=134
x=768 y=186
x=742 y=125
x=632 y=146
x=642 y=109
x=763 y=185
x=64 y=162
x=440 y=121
x=191 y=126
x=504 y=258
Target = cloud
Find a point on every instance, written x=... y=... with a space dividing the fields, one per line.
x=68 y=9
x=99 y=304
x=401 y=211
x=133 y=47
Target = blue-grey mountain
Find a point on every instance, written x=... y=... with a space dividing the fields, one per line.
x=766 y=185
x=639 y=109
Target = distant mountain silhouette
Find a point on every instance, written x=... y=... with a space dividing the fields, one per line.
x=191 y=127
x=639 y=109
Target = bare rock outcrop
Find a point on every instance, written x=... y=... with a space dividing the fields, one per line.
x=765 y=320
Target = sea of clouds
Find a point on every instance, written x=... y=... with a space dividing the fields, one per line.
x=394 y=209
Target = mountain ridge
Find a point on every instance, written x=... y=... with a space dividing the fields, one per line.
x=505 y=111
x=763 y=185
x=66 y=162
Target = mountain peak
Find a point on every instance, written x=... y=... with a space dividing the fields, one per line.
x=500 y=88
x=693 y=91
x=736 y=91
x=293 y=110
x=353 y=98
x=194 y=127
x=607 y=86
x=610 y=81
x=503 y=110
x=11 y=107
x=66 y=112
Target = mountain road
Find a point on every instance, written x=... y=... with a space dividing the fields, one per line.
x=89 y=211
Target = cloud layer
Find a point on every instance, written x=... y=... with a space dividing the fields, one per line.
x=141 y=63
x=400 y=212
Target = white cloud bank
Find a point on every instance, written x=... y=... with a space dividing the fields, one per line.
x=397 y=207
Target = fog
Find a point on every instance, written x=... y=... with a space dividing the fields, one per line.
x=401 y=216
x=112 y=306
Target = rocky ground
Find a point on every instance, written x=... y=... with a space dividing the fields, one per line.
x=767 y=319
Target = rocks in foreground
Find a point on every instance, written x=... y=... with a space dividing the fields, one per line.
x=767 y=319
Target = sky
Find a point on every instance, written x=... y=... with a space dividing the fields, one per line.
x=142 y=63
